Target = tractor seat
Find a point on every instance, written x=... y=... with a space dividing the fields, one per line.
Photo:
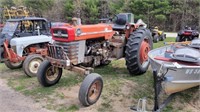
x=119 y=23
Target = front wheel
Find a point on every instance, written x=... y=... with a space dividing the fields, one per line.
x=31 y=64
x=90 y=89
x=12 y=65
x=48 y=75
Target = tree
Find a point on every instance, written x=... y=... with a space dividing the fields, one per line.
x=185 y=12
x=39 y=6
x=91 y=11
x=153 y=12
x=8 y=3
x=69 y=8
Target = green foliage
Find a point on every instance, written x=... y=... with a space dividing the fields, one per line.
x=68 y=9
x=169 y=15
x=161 y=17
x=7 y=3
x=39 y=6
x=90 y=8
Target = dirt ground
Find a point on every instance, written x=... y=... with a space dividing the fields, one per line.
x=118 y=95
x=12 y=101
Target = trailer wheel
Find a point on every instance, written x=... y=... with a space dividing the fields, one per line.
x=31 y=64
x=48 y=74
x=138 y=45
x=12 y=65
x=90 y=89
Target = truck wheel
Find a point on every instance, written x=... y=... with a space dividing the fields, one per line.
x=138 y=45
x=178 y=39
x=155 y=38
x=90 y=89
x=47 y=74
x=31 y=64
x=12 y=65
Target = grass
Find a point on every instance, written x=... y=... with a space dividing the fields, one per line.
x=120 y=89
x=161 y=43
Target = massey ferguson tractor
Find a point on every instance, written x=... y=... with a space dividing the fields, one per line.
x=22 y=45
x=79 y=48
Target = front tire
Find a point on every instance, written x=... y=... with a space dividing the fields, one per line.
x=90 y=89
x=31 y=64
x=138 y=45
x=48 y=75
x=12 y=65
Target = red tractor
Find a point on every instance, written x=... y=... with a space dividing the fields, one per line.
x=80 y=47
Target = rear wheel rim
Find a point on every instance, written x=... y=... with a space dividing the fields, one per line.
x=144 y=49
x=52 y=73
x=34 y=64
x=94 y=91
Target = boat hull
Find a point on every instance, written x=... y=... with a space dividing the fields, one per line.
x=177 y=75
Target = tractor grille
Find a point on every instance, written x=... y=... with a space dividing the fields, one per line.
x=56 y=52
x=63 y=50
x=59 y=33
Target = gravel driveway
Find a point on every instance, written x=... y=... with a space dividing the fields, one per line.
x=12 y=101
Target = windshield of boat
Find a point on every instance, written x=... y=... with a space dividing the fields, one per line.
x=10 y=27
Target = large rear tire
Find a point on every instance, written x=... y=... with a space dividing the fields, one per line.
x=12 y=65
x=48 y=75
x=138 y=45
x=90 y=89
x=31 y=64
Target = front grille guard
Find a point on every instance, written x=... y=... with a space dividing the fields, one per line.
x=57 y=56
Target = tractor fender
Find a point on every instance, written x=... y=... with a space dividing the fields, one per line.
x=20 y=43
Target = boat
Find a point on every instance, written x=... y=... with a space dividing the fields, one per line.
x=176 y=67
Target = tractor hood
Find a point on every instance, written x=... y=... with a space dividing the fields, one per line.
x=30 y=40
x=23 y=42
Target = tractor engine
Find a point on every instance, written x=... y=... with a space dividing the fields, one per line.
x=97 y=53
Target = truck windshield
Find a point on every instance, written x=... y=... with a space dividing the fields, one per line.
x=10 y=27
